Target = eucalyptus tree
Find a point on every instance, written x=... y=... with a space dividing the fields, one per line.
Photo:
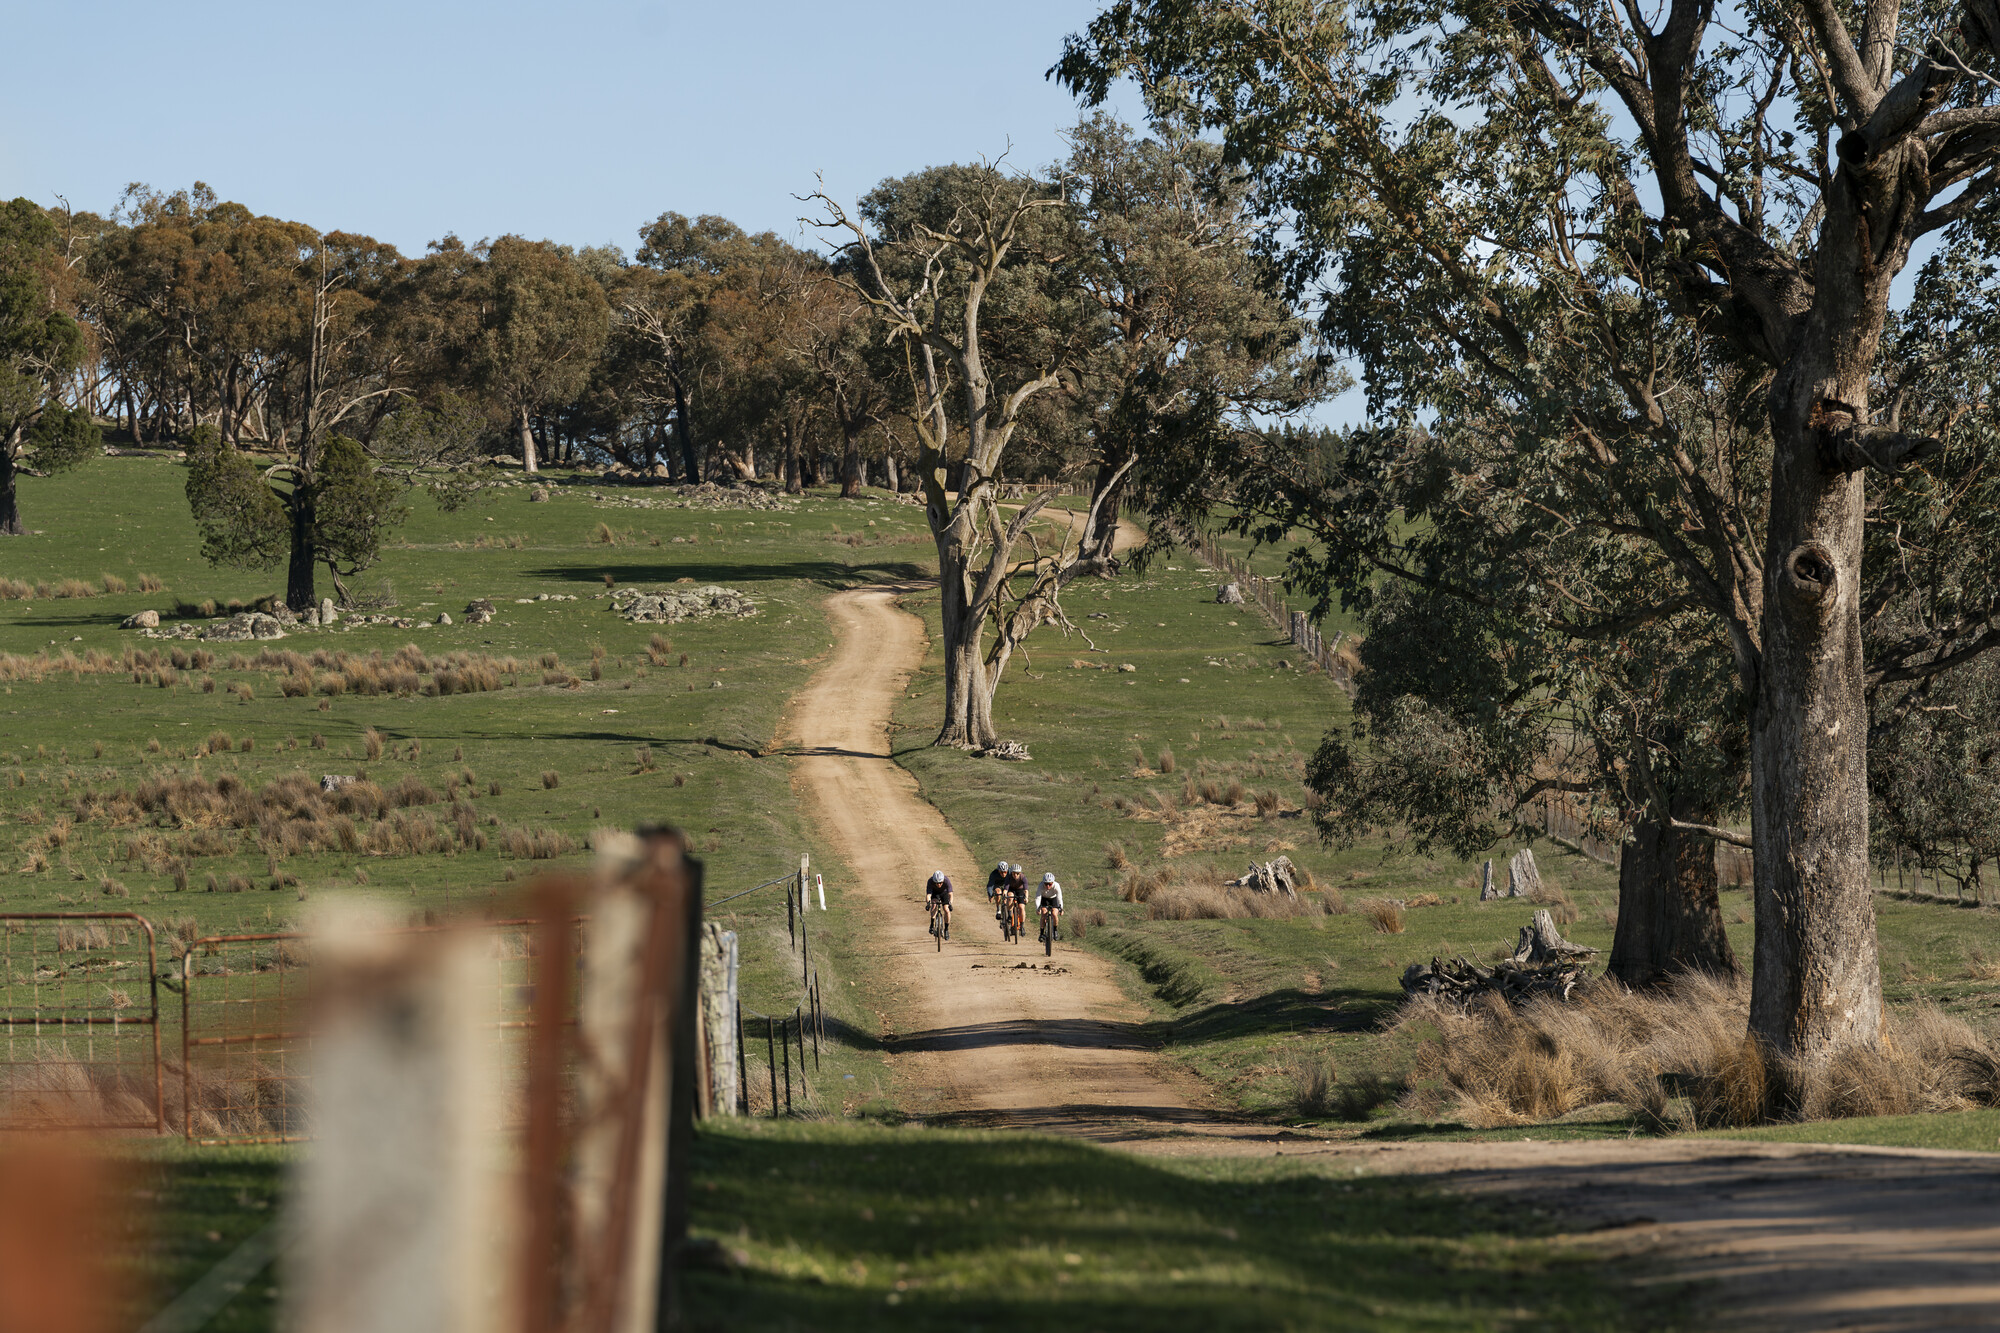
x=1559 y=217
x=967 y=267
x=41 y=345
x=538 y=324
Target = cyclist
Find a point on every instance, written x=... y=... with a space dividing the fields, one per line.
x=938 y=889
x=1014 y=894
x=994 y=883
x=1048 y=900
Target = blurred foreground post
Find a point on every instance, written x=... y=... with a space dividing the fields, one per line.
x=448 y=1193
x=401 y=1208
x=57 y=1203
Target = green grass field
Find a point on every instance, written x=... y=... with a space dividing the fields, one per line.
x=1155 y=772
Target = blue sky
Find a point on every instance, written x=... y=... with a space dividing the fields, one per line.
x=576 y=122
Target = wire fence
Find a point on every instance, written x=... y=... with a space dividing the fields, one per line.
x=1266 y=595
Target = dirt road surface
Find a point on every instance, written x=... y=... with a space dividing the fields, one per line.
x=984 y=1031
x=1774 y=1236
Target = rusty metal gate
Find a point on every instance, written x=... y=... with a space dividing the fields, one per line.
x=79 y=1022
x=245 y=1034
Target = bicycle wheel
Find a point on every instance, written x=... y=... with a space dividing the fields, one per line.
x=1048 y=936
x=937 y=928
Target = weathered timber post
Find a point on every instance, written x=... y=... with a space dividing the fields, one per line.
x=400 y=1215
x=771 y=1060
x=787 y=1057
x=719 y=1019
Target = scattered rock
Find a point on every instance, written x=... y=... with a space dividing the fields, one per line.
x=1487 y=889
x=332 y=782
x=327 y=615
x=1004 y=750
x=1127 y=666
x=311 y=617
x=479 y=611
x=1279 y=876
x=243 y=626
x=141 y=620
x=444 y=618
x=672 y=605
x=283 y=614
x=1230 y=594
x=537 y=494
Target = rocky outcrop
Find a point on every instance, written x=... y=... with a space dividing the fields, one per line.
x=243 y=626
x=670 y=606
x=141 y=620
x=1230 y=594
x=479 y=611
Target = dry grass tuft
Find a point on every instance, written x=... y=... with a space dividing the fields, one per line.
x=1681 y=1059
x=372 y=742
x=1114 y=855
x=1167 y=761
x=550 y=779
x=1387 y=914
x=535 y=844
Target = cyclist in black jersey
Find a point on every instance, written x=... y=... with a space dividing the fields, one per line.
x=938 y=888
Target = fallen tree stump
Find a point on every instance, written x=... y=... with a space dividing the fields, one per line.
x=1462 y=982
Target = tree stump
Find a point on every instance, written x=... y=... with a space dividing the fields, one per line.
x=1279 y=876
x=1541 y=942
x=1523 y=878
x=1487 y=891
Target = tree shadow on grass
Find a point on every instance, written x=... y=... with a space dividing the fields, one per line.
x=847 y=1227
x=828 y=573
x=1290 y=1010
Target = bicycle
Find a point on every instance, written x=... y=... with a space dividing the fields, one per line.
x=1017 y=922
x=1048 y=936
x=937 y=923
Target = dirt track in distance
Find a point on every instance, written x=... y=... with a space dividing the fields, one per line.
x=977 y=1037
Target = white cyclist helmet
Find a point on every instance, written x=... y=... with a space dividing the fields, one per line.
x=937 y=876
x=1014 y=869
x=1048 y=879
x=1002 y=867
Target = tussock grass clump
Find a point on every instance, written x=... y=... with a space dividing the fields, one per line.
x=151 y=583
x=1204 y=902
x=1313 y=1083
x=1167 y=760
x=1115 y=857
x=1387 y=914
x=535 y=844
x=550 y=779
x=219 y=742
x=372 y=742
x=660 y=650
x=1680 y=1058
x=112 y=584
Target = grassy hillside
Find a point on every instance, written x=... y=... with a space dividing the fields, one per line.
x=592 y=721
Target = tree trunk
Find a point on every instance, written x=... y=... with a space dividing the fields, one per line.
x=10 y=508
x=968 y=700
x=299 y=571
x=1816 y=983
x=684 y=432
x=528 y=461
x=850 y=465
x=794 y=465
x=895 y=481
x=1669 y=907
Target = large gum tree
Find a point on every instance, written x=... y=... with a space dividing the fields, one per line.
x=1515 y=205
